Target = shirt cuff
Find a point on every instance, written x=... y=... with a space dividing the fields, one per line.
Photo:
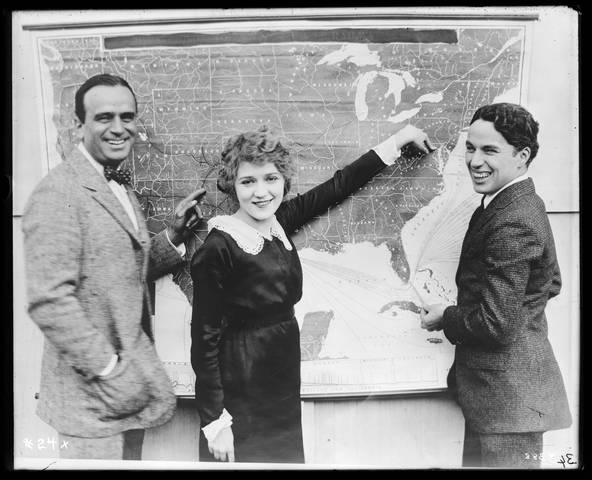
x=212 y=429
x=180 y=248
x=110 y=366
x=388 y=151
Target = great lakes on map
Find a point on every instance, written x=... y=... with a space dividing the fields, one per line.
x=370 y=262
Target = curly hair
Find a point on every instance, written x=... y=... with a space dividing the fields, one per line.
x=258 y=147
x=514 y=123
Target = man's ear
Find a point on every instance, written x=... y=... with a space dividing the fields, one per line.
x=523 y=157
x=78 y=127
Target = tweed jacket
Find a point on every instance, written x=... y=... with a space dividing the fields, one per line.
x=505 y=374
x=87 y=269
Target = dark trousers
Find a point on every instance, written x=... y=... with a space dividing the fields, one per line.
x=502 y=450
x=123 y=446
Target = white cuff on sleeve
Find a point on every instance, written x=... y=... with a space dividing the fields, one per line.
x=388 y=151
x=180 y=248
x=213 y=429
x=110 y=366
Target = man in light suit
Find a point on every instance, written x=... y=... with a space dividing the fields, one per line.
x=504 y=375
x=89 y=258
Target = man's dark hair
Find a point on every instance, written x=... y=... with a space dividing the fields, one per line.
x=514 y=123
x=101 y=79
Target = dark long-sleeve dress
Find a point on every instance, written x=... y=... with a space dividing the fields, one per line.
x=245 y=347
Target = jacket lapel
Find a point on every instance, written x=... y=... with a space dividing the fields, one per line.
x=471 y=229
x=100 y=191
x=502 y=200
x=141 y=219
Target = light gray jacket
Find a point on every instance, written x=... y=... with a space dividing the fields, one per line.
x=86 y=271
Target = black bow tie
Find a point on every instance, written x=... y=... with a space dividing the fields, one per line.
x=122 y=176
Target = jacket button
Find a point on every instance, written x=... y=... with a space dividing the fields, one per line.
x=36 y=395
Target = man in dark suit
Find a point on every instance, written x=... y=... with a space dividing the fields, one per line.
x=504 y=375
x=88 y=259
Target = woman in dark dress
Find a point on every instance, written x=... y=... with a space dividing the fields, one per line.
x=247 y=278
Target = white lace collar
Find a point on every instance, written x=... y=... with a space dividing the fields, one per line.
x=249 y=239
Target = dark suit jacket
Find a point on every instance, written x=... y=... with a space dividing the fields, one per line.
x=505 y=374
x=86 y=269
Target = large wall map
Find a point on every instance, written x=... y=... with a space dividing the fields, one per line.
x=370 y=262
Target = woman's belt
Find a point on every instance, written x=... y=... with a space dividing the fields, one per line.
x=241 y=320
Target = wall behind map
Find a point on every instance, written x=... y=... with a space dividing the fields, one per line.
x=552 y=96
x=553 y=99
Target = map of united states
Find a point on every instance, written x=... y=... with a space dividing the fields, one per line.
x=330 y=95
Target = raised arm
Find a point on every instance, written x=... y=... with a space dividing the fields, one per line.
x=167 y=249
x=301 y=209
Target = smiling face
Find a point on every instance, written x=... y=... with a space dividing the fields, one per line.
x=109 y=129
x=491 y=160
x=259 y=191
